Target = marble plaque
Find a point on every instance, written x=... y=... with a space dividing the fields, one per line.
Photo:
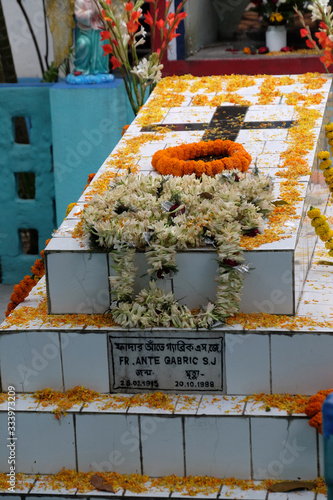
x=166 y=363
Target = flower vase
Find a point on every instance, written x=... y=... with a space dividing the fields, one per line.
x=276 y=37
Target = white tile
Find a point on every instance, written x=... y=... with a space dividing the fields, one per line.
x=199 y=288
x=113 y=403
x=85 y=361
x=41 y=487
x=238 y=493
x=221 y=405
x=217 y=446
x=272 y=160
x=258 y=409
x=78 y=283
x=301 y=363
x=194 y=114
x=108 y=442
x=301 y=495
x=271 y=279
x=45 y=444
x=145 y=409
x=31 y=361
x=270 y=112
x=283 y=448
x=162 y=446
x=277 y=496
x=198 y=494
x=247 y=364
x=188 y=404
x=275 y=147
x=152 y=491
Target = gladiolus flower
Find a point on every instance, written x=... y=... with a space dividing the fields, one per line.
x=107 y=49
x=132 y=27
x=105 y=35
x=160 y=24
x=148 y=19
x=115 y=62
x=310 y=44
x=304 y=33
x=129 y=6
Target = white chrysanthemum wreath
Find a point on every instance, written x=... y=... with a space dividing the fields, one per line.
x=163 y=215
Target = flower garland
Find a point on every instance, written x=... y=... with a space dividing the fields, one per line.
x=181 y=160
x=22 y=290
x=313 y=409
x=162 y=215
x=319 y=222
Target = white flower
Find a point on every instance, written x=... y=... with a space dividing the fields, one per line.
x=318 y=8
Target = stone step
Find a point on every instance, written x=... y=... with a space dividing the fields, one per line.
x=39 y=487
x=198 y=435
x=62 y=352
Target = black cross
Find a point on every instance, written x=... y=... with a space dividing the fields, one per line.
x=226 y=123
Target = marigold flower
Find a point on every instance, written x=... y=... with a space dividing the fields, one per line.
x=323 y=155
x=329 y=127
x=314 y=212
x=247 y=50
x=325 y=164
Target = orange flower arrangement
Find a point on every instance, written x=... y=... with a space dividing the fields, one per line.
x=182 y=160
x=22 y=290
x=313 y=409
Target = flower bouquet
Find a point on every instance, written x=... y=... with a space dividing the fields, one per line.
x=277 y=12
x=320 y=11
x=124 y=31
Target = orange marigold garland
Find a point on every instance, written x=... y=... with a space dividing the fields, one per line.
x=186 y=159
x=22 y=290
x=313 y=409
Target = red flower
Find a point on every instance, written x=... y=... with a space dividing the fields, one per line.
x=105 y=35
x=310 y=44
x=148 y=19
x=304 y=33
x=135 y=15
x=286 y=49
x=107 y=49
x=105 y=17
x=263 y=50
x=115 y=62
x=323 y=25
x=160 y=24
x=132 y=27
x=108 y=2
x=129 y=6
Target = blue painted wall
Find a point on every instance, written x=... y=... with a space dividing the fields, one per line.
x=82 y=125
x=30 y=101
x=87 y=122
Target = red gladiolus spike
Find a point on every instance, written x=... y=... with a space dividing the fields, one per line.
x=105 y=35
x=108 y=2
x=115 y=43
x=323 y=25
x=304 y=32
x=132 y=27
x=160 y=24
x=148 y=19
x=135 y=15
x=310 y=44
x=105 y=17
x=181 y=15
x=115 y=62
x=107 y=49
x=322 y=37
x=129 y=7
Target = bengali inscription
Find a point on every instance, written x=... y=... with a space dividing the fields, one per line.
x=165 y=363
